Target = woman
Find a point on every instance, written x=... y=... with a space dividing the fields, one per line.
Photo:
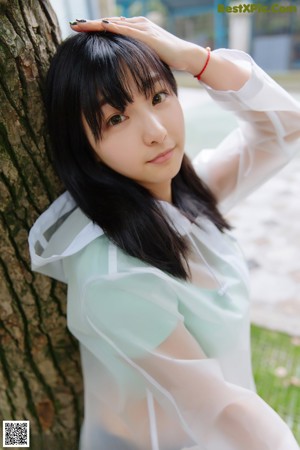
x=157 y=286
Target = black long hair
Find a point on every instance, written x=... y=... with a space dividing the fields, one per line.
x=87 y=69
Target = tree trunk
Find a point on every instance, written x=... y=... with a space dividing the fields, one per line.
x=40 y=374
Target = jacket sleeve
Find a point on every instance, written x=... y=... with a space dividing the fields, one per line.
x=139 y=317
x=136 y=311
x=267 y=138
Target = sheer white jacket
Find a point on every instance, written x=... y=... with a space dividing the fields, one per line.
x=167 y=363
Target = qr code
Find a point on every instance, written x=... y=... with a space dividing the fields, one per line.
x=15 y=433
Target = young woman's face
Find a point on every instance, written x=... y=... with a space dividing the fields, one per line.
x=146 y=141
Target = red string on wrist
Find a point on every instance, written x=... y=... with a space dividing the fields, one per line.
x=205 y=65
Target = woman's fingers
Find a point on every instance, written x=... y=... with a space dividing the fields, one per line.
x=99 y=25
x=88 y=25
x=133 y=27
x=171 y=49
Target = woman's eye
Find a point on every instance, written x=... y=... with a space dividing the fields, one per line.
x=160 y=97
x=116 y=119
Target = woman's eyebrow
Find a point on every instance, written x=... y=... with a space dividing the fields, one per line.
x=155 y=78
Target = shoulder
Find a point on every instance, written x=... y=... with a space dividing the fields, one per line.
x=89 y=261
x=101 y=259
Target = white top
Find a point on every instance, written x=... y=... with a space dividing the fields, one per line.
x=166 y=362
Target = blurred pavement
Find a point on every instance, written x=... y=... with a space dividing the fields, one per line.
x=267 y=222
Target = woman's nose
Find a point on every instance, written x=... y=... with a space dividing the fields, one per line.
x=154 y=132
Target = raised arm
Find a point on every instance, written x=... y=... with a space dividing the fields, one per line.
x=268 y=135
x=267 y=138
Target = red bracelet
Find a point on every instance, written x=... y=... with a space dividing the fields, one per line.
x=205 y=65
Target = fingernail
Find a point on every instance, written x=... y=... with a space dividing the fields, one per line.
x=80 y=20
x=73 y=23
x=105 y=21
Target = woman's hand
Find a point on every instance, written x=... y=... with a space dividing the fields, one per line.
x=220 y=73
x=177 y=53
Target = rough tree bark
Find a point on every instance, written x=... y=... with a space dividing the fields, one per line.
x=40 y=374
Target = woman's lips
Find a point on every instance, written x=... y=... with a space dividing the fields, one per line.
x=162 y=157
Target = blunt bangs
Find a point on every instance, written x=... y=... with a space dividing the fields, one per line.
x=110 y=64
x=87 y=70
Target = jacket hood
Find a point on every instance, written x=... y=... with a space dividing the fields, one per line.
x=62 y=230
